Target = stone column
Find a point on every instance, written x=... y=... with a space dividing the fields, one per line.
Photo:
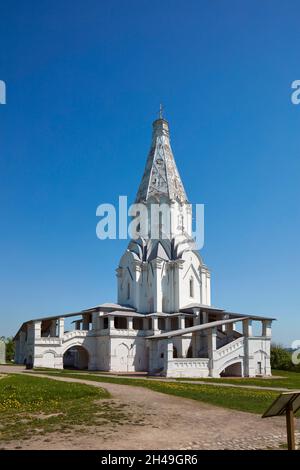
x=181 y=322
x=130 y=323
x=61 y=327
x=169 y=349
x=146 y=324
x=111 y=323
x=168 y=324
x=95 y=325
x=247 y=327
x=37 y=330
x=212 y=347
x=168 y=355
x=267 y=328
x=196 y=338
x=155 y=324
x=230 y=328
x=204 y=318
x=85 y=322
x=249 y=369
x=157 y=291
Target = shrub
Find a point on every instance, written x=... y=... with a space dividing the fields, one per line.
x=280 y=358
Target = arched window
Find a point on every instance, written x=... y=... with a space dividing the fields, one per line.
x=191 y=287
x=128 y=290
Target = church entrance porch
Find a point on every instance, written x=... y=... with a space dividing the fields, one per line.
x=236 y=355
x=76 y=357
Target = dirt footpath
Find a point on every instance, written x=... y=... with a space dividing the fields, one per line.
x=166 y=422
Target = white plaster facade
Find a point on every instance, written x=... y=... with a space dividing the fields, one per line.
x=2 y=352
x=163 y=322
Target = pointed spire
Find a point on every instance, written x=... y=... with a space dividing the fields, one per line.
x=161 y=177
x=161 y=111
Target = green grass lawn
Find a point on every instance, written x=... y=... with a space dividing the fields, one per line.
x=36 y=406
x=254 y=401
x=287 y=379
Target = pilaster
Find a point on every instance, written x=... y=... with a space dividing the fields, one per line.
x=212 y=347
x=155 y=324
x=267 y=328
x=37 y=330
x=157 y=288
x=61 y=327
x=130 y=323
x=247 y=328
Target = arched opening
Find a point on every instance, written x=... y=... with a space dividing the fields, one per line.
x=234 y=370
x=175 y=353
x=138 y=324
x=76 y=357
x=120 y=323
x=174 y=323
x=188 y=322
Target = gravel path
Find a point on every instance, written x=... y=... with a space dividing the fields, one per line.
x=166 y=422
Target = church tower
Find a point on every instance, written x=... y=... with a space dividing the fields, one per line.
x=160 y=271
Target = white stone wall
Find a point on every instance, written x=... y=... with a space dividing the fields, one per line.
x=2 y=352
x=258 y=356
x=196 y=368
x=163 y=286
x=128 y=354
x=129 y=350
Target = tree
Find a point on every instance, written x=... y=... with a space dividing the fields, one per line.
x=10 y=349
x=280 y=358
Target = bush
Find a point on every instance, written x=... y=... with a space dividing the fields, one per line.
x=9 y=348
x=280 y=358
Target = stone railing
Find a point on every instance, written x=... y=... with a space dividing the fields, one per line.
x=189 y=363
x=75 y=334
x=126 y=332
x=230 y=348
x=54 y=340
x=185 y=367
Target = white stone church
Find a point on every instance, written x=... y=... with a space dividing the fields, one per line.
x=163 y=322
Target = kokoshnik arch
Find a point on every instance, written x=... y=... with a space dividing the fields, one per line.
x=163 y=321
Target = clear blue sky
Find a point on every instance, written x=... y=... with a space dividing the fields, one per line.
x=84 y=82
